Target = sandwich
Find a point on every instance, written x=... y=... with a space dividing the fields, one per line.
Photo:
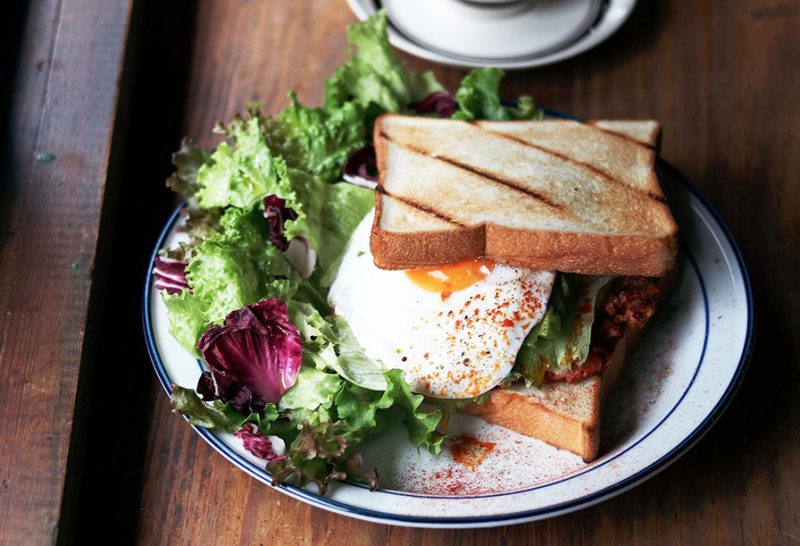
x=515 y=263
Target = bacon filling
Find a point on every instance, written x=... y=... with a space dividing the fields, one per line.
x=630 y=303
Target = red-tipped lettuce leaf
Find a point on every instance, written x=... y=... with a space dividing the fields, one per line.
x=253 y=358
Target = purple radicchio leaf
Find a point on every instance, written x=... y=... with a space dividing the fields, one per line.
x=253 y=358
x=258 y=444
x=437 y=102
x=170 y=275
x=361 y=168
x=276 y=212
x=298 y=251
x=227 y=388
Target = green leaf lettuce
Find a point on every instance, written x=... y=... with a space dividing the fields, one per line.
x=374 y=74
x=479 y=98
x=565 y=333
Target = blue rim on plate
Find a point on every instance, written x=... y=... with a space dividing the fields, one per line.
x=525 y=515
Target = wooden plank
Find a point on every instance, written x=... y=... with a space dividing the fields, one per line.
x=64 y=103
x=722 y=79
x=114 y=384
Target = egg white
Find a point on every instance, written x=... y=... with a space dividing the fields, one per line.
x=454 y=347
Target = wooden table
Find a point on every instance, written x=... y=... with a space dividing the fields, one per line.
x=102 y=93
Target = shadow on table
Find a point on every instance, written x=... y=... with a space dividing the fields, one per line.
x=639 y=33
x=105 y=469
x=12 y=25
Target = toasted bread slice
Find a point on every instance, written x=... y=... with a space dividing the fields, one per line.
x=567 y=415
x=560 y=195
x=645 y=132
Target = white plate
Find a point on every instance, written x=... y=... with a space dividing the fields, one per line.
x=675 y=387
x=612 y=15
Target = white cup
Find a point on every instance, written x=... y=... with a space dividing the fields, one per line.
x=491 y=8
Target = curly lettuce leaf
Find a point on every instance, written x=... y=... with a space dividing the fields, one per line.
x=327 y=214
x=359 y=407
x=238 y=267
x=313 y=389
x=323 y=452
x=199 y=223
x=366 y=409
x=421 y=425
x=330 y=344
x=325 y=447
x=316 y=455
x=242 y=176
x=187 y=161
x=479 y=98
x=230 y=269
x=319 y=347
x=187 y=319
x=374 y=74
x=217 y=415
x=317 y=140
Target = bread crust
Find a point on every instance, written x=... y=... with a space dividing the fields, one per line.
x=586 y=253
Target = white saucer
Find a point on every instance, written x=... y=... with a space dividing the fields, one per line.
x=441 y=36
x=520 y=29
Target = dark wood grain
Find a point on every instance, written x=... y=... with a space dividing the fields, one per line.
x=62 y=117
x=722 y=77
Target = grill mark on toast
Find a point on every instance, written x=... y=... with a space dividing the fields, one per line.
x=500 y=180
x=588 y=166
x=483 y=174
x=593 y=125
x=419 y=206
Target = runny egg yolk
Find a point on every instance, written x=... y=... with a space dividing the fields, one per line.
x=450 y=278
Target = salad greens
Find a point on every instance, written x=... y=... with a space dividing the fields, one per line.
x=280 y=364
x=317 y=139
x=565 y=333
x=373 y=76
x=479 y=98
x=230 y=268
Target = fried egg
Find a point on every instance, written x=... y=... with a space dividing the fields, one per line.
x=454 y=330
